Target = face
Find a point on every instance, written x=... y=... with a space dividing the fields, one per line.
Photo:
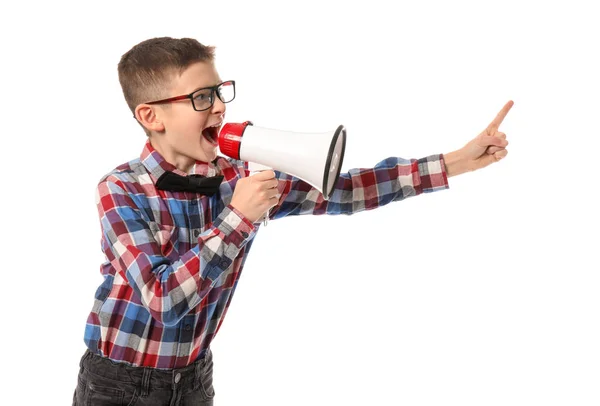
x=190 y=135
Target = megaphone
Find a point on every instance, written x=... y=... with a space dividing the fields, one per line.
x=316 y=158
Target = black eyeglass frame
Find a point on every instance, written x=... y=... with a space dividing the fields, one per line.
x=214 y=90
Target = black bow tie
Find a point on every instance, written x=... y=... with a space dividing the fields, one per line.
x=192 y=183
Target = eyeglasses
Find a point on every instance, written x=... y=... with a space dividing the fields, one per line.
x=203 y=99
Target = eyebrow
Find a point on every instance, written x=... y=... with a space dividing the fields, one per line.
x=205 y=87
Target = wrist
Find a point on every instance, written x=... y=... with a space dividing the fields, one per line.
x=455 y=163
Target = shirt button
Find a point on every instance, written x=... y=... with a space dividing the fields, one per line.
x=177 y=377
x=193 y=201
x=188 y=327
x=244 y=234
x=196 y=233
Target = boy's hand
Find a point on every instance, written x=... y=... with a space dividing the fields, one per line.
x=486 y=148
x=256 y=194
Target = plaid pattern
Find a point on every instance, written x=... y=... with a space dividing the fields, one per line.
x=173 y=259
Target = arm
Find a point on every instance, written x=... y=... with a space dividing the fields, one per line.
x=168 y=290
x=392 y=179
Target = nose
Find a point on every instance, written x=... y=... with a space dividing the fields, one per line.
x=218 y=106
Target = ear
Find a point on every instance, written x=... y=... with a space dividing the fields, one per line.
x=146 y=115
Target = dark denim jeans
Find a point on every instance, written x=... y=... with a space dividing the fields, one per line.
x=103 y=382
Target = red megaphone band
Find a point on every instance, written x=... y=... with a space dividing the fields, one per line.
x=230 y=138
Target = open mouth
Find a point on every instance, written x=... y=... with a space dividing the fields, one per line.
x=212 y=134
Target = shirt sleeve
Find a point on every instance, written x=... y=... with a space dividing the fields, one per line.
x=167 y=289
x=392 y=179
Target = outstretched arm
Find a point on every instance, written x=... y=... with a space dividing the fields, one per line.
x=359 y=189
x=392 y=179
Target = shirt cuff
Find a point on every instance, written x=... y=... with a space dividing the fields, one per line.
x=430 y=174
x=236 y=227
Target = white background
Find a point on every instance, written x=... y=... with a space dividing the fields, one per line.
x=483 y=294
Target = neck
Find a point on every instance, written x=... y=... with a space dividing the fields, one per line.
x=184 y=164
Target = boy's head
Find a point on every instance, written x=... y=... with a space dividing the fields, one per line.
x=163 y=68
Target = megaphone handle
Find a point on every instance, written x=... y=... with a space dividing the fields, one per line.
x=255 y=168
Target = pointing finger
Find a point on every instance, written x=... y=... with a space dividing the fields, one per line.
x=500 y=116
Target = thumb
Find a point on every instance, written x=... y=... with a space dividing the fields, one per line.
x=494 y=140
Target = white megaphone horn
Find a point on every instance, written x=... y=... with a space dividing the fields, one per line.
x=316 y=158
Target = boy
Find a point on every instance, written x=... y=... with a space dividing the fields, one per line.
x=178 y=223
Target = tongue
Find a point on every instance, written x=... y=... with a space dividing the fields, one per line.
x=209 y=134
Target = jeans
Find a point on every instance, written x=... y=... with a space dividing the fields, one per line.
x=103 y=382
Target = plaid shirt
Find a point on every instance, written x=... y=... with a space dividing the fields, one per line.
x=173 y=259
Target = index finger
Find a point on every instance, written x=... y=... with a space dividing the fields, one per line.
x=264 y=175
x=500 y=116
